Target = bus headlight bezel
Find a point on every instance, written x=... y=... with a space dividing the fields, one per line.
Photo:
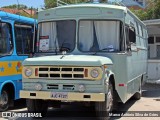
x=28 y=72
x=95 y=73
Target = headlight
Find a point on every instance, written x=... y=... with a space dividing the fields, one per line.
x=94 y=73
x=28 y=72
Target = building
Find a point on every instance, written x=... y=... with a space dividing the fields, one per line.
x=16 y=11
x=141 y=2
x=134 y=4
x=13 y=11
x=153 y=27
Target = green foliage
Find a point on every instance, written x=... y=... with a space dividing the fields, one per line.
x=156 y=10
x=141 y=14
x=50 y=3
x=152 y=11
x=21 y=6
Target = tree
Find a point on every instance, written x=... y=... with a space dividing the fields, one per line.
x=152 y=10
x=50 y=3
x=15 y=6
x=156 y=10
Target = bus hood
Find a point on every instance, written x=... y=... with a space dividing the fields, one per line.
x=68 y=60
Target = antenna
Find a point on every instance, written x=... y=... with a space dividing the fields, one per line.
x=18 y=4
x=18 y=9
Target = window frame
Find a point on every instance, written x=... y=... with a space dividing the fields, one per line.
x=38 y=37
x=23 y=24
x=12 y=41
x=121 y=37
x=149 y=38
x=129 y=27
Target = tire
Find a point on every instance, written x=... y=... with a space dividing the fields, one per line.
x=137 y=95
x=104 y=108
x=37 y=106
x=4 y=100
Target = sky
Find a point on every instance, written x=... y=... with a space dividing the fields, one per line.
x=28 y=3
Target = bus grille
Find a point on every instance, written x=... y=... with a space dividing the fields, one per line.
x=61 y=72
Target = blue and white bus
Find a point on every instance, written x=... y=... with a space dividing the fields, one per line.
x=16 y=42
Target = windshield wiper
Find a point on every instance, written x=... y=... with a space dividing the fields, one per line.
x=64 y=48
x=55 y=45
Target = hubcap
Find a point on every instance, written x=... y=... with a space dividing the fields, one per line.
x=3 y=99
x=109 y=100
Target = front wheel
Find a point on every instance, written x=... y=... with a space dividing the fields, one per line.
x=37 y=106
x=4 y=100
x=103 y=108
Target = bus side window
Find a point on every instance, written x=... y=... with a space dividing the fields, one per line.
x=130 y=36
x=6 y=43
x=24 y=39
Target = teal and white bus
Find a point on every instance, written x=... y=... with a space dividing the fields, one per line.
x=91 y=53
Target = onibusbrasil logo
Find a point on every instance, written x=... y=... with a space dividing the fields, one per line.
x=15 y=115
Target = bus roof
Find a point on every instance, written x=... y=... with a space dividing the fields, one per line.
x=83 y=9
x=6 y=15
x=101 y=5
x=62 y=11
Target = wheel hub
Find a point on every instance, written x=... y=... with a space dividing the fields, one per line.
x=3 y=99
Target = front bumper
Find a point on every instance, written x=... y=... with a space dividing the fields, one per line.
x=71 y=96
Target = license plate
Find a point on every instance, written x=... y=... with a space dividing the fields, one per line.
x=57 y=95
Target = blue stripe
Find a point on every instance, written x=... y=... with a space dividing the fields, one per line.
x=5 y=15
x=12 y=58
x=15 y=80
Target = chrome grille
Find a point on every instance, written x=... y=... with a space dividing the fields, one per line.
x=61 y=72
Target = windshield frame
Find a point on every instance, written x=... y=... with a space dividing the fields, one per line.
x=57 y=51
x=121 y=36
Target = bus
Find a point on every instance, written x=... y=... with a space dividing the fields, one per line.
x=90 y=53
x=16 y=42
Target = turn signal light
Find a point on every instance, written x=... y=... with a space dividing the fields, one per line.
x=36 y=72
x=86 y=72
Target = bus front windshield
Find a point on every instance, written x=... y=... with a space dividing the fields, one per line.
x=99 y=35
x=56 y=36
